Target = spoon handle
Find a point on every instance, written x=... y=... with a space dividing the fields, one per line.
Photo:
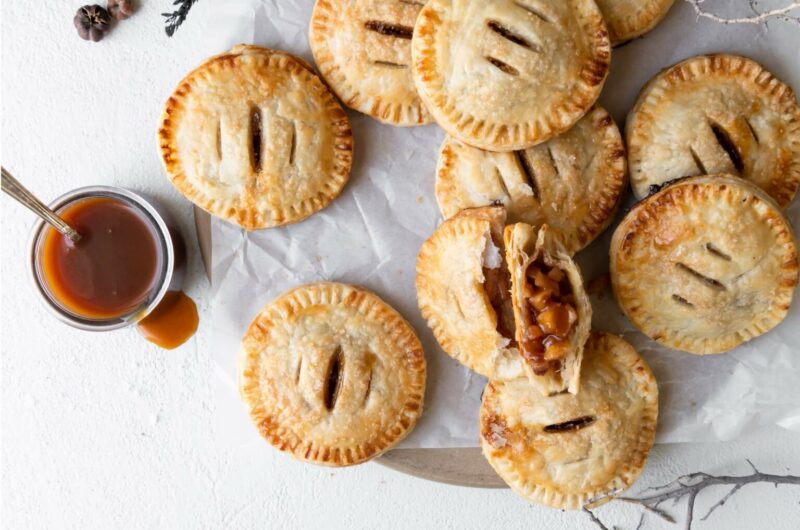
x=12 y=186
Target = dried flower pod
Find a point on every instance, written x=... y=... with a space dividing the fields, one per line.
x=120 y=9
x=92 y=22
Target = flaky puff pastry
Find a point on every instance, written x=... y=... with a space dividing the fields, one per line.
x=254 y=137
x=363 y=50
x=526 y=245
x=705 y=264
x=454 y=267
x=331 y=374
x=567 y=449
x=509 y=74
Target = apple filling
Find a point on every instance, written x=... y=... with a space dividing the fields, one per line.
x=498 y=289
x=549 y=314
x=497 y=284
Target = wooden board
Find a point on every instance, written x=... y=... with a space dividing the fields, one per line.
x=463 y=466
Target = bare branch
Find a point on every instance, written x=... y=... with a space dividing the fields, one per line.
x=722 y=501
x=689 y=486
x=653 y=509
x=594 y=519
x=690 y=510
x=758 y=17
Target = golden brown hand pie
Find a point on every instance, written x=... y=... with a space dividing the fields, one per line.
x=463 y=291
x=705 y=264
x=628 y=19
x=573 y=182
x=331 y=374
x=363 y=50
x=716 y=114
x=254 y=137
x=509 y=74
x=552 y=312
x=567 y=449
x=475 y=291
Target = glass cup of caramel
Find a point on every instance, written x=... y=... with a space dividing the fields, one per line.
x=129 y=261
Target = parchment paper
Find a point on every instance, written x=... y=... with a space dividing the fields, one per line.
x=371 y=235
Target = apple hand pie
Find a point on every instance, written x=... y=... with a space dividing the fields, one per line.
x=505 y=75
x=331 y=374
x=716 y=114
x=363 y=50
x=463 y=290
x=255 y=137
x=705 y=264
x=504 y=307
x=552 y=312
x=628 y=19
x=573 y=182
x=566 y=449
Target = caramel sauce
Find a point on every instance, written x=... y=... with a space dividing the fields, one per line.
x=172 y=322
x=114 y=267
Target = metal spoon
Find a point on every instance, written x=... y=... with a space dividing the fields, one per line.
x=12 y=186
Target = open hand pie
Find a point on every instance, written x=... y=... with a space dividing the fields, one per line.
x=705 y=264
x=716 y=114
x=628 y=19
x=331 y=374
x=463 y=290
x=509 y=74
x=254 y=137
x=573 y=182
x=483 y=294
x=363 y=50
x=552 y=312
x=567 y=449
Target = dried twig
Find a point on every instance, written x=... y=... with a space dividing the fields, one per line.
x=654 y=509
x=758 y=17
x=176 y=18
x=594 y=519
x=689 y=486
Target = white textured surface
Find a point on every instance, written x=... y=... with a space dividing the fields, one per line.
x=105 y=431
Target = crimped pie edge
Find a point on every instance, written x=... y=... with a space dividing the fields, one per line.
x=647 y=210
x=397 y=329
x=401 y=114
x=443 y=109
x=603 y=210
x=623 y=352
x=632 y=26
x=233 y=211
x=759 y=80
